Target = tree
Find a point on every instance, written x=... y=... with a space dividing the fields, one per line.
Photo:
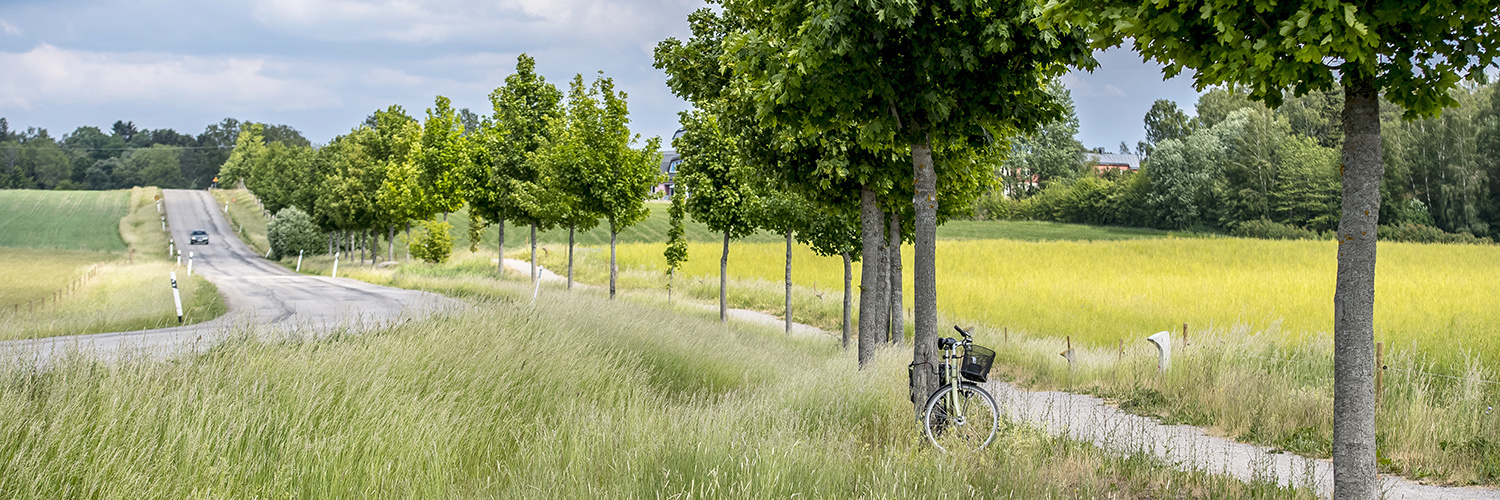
x=506 y=182
x=1052 y=152
x=721 y=194
x=154 y=166
x=1307 y=187
x=676 y=252
x=610 y=177
x=783 y=212
x=440 y=159
x=905 y=75
x=1414 y=56
x=292 y=232
x=1165 y=122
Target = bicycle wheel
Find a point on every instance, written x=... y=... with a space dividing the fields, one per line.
x=965 y=423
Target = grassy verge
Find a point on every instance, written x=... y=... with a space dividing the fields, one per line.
x=575 y=396
x=67 y=220
x=245 y=216
x=102 y=292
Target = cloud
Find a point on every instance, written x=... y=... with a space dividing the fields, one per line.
x=431 y=21
x=9 y=29
x=50 y=75
x=1080 y=85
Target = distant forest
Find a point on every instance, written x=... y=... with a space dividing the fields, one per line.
x=125 y=156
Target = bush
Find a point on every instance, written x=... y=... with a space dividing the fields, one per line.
x=1419 y=233
x=1270 y=230
x=434 y=244
x=292 y=231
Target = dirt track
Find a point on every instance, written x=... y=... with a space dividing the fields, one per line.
x=256 y=291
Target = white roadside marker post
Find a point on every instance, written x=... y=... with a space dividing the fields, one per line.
x=171 y=248
x=163 y=223
x=179 y=258
x=335 y=265
x=177 y=298
x=190 y=263
x=299 y=261
x=268 y=252
x=1163 y=342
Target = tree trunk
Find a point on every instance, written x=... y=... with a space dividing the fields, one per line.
x=364 y=236
x=1354 y=474
x=614 y=267
x=390 y=241
x=898 y=313
x=872 y=281
x=499 y=242
x=670 y=272
x=724 y=281
x=571 y=227
x=848 y=296
x=408 y=241
x=924 y=275
x=789 y=282
x=533 y=253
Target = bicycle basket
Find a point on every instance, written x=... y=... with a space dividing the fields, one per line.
x=977 y=361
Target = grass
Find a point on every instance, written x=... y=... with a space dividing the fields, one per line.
x=98 y=292
x=30 y=275
x=1044 y=231
x=67 y=220
x=575 y=396
x=246 y=217
x=1268 y=302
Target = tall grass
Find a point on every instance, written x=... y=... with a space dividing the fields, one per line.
x=29 y=275
x=1438 y=301
x=245 y=216
x=69 y=220
x=574 y=397
x=1438 y=308
x=1238 y=383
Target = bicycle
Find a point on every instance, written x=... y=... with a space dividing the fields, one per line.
x=960 y=415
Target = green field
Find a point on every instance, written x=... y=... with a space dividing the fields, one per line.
x=28 y=275
x=68 y=220
x=573 y=397
x=49 y=291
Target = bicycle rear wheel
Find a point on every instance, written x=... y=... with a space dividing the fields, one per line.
x=967 y=422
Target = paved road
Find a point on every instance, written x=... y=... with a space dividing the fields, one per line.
x=257 y=291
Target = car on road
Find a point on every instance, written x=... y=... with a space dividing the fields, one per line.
x=198 y=237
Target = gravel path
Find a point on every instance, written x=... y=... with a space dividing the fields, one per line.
x=1090 y=419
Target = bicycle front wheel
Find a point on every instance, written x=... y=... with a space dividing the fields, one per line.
x=962 y=421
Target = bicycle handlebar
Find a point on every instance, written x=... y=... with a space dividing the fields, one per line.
x=946 y=342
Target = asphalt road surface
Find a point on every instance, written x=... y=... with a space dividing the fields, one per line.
x=258 y=293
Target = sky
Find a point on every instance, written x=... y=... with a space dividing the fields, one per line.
x=322 y=66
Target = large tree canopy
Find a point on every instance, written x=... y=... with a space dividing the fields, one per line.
x=1412 y=54
x=904 y=75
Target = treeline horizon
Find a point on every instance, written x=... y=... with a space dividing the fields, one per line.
x=1240 y=167
x=88 y=158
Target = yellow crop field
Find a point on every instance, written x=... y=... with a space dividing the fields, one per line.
x=1441 y=300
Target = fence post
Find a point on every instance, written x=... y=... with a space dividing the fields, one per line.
x=1069 y=353
x=1006 y=330
x=1185 y=342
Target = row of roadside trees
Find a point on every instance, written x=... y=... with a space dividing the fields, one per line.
x=541 y=159
x=831 y=97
